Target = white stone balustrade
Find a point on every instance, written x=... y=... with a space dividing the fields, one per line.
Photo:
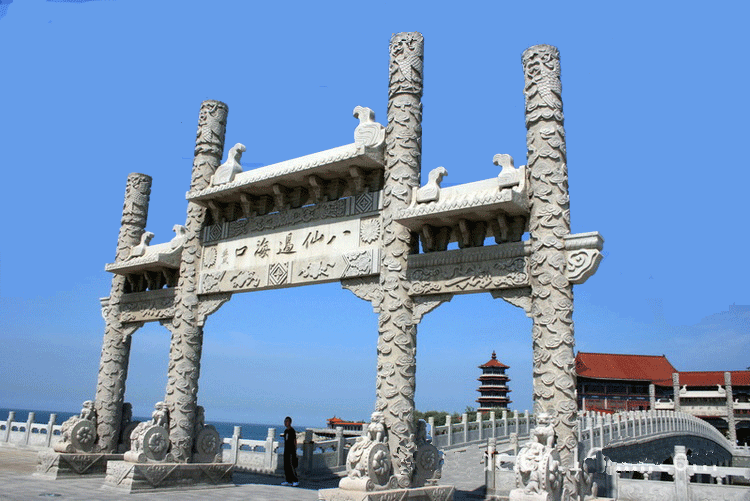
x=465 y=433
x=28 y=433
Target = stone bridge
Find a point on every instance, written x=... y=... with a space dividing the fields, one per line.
x=610 y=444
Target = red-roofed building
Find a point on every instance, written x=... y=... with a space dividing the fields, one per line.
x=335 y=422
x=493 y=386
x=609 y=382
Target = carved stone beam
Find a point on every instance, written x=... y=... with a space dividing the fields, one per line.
x=297 y=197
x=280 y=197
x=464 y=234
x=335 y=189
x=246 y=205
x=215 y=212
x=506 y=266
x=265 y=204
x=316 y=188
x=517 y=228
x=358 y=180
x=427 y=236
x=501 y=227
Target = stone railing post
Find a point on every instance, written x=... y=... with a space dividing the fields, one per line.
x=187 y=325
x=730 y=409
x=397 y=327
x=113 y=365
x=514 y=443
x=549 y=222
x=528 y=423
x=600 y=428
x=465 y=422
x=494 y=424
x=29 y=422
x=449 y=424
x=234 y=451
x=340 y=447
x=9 y=424
x=268 y=458
x=480 y=424
x=608 y=424
x=505 y=423
x=618 y=425
x=308 y=448
x=50 y=428
x=516 y=423
x=681 y=478
x=489 y=467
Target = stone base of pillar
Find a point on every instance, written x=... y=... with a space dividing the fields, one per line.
x=520 y=495
x=427 y=493
x=123 y=476
x=56 y=465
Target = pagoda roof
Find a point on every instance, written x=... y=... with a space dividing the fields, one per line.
x=493 y=362
x=651 y=368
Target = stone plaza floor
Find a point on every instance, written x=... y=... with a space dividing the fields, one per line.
x=462 y=468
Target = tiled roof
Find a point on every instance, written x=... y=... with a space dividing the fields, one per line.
x=494 y=363
x=712 y=378
x=340 y=422
x=656 y=369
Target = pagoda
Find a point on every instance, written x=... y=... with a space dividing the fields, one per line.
x=494 y=386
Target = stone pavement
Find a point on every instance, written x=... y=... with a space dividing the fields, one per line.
x=462 y=469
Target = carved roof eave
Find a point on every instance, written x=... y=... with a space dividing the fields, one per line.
x=157 y=257
x=478 y=201
x=327 y=164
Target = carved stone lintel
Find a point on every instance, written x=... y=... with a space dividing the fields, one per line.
x=520 y=297
x=367 y=288
x=425 y=304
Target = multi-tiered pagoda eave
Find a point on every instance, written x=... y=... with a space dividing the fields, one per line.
x=493 y=386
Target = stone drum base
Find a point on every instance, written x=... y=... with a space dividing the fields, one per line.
x=428 y=493
x=129 y=477
x=57 y=465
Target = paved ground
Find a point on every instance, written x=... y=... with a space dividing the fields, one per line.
x=462 y=468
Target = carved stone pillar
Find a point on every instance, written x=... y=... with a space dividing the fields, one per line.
x=397 y=341
x=730 y=408
x=113 y=366
x=549 y=223
x=187 y=324
x=652 y=395
x=676 y=390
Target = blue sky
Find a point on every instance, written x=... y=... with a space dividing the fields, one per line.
x=656 y=122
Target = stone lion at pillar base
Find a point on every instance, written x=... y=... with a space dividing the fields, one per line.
x=79 y=432
x=537 y=469
x=368 y=463
x=149 y=441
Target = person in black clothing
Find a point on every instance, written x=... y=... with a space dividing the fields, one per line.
x=290 y=453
